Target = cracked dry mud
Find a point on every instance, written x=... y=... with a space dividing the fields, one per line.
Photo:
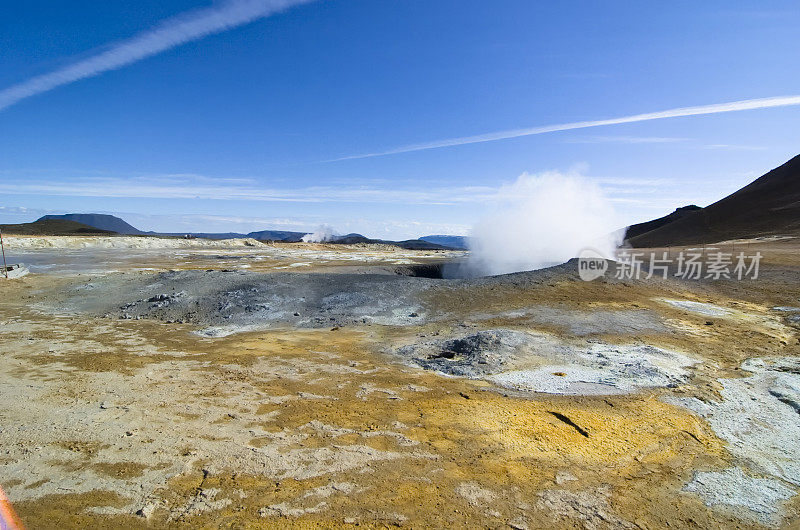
x=673 y=414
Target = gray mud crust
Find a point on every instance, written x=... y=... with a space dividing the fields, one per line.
x=224 y=302
x=478 y=355
x=746 y=497
x=538 y=362
x=242 y=299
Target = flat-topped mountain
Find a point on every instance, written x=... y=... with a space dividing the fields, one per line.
x=98 y=220
x=53 y=227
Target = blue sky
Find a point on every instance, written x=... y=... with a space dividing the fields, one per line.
x=242 y=129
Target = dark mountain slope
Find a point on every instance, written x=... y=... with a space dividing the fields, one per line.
x=770 y=205
x=641 y=228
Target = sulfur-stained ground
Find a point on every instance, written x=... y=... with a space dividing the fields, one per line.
x=109 y=422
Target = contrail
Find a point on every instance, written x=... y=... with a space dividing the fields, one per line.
x=747 y=104
x=172 y=32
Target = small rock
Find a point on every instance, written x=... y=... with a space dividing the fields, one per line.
x=564 y=476
x=147 y=510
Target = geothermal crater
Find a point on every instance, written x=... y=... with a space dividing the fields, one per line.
x=285 y=385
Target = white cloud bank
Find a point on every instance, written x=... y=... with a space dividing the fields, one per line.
x=170 y=33
x=733 y=106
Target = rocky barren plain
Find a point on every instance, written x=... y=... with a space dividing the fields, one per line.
x=163 y=383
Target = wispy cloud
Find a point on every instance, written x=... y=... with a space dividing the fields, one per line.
x=685 y=142
x=626 y=140
x=735 y=147
x=733 y=106
x=640 y=198
x=632 y=182
x=199 y=187
x=170 y=33
x=188 y=186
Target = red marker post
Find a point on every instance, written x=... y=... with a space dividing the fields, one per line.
x=8 y=519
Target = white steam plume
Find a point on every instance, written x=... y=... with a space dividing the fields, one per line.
x=324 y=233
x=172 y=32
x=733 y=106
x=542 y=220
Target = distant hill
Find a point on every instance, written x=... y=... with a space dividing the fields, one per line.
x=641 y=228
x=770 y=205
x=418 y=244
x=203 y=235
x=53 y=227
x=92 y=223
x=459 y=242
x=352 y=239
x=97 y=220
x=277 y=235
x=115 y=224
x=408 y=244
x=209 y=235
